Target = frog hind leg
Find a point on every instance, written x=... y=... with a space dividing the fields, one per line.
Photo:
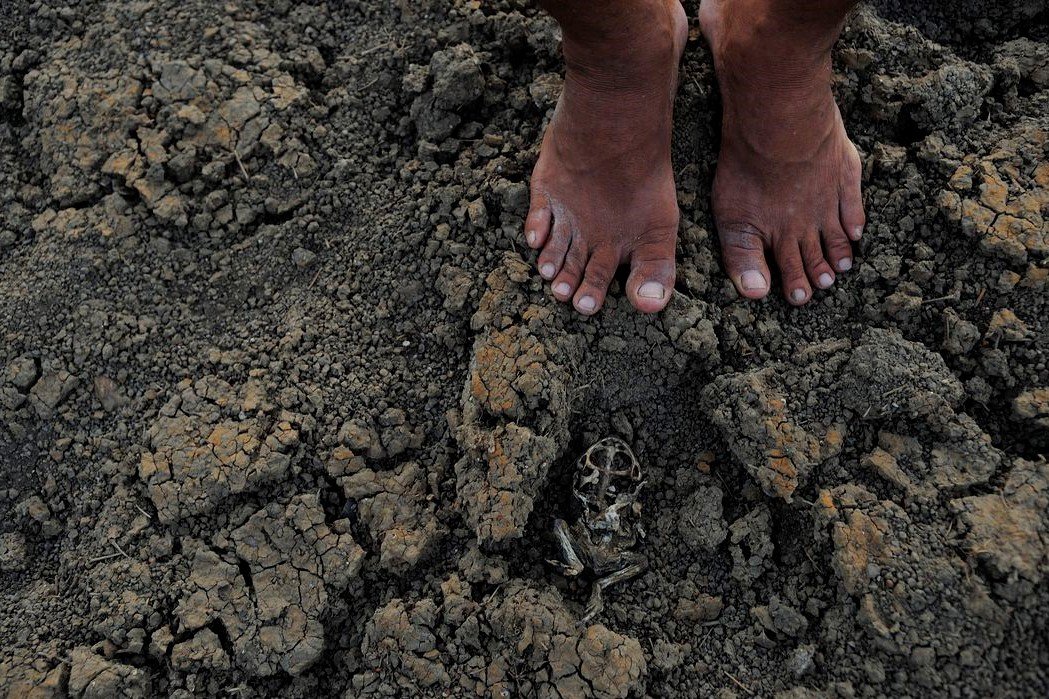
x=594 y=605
x=597 y=602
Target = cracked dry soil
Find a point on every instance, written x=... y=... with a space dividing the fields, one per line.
x=284 y=410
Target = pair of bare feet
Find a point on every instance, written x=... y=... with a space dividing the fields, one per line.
x=788 y=177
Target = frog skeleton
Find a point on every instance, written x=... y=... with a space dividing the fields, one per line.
x=607 y=482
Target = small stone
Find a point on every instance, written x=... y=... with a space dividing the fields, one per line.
x=701 y=608
x=12 y=552
x=183 y=165
x=546 y=89
x=303 y=258
x=108 y=393
x=202 y=651
x=1006 y=326
x=22 y=373
x=457 y=77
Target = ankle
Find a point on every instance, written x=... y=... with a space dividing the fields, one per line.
x=624 y=47
x=800 y=26
x=789 y=33
x=755 y=44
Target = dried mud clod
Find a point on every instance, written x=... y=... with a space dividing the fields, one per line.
x=521 y=640
x=757 y=422
x=455 y=79
x=270 y=590
x=535 y=632
x=751 y=545
x=1001 y=198
x=399 y=640
x=168 y=123
x=914 y=597
x=514 y=406
x=393 y=505
x=924 y=445
x=201 y=451
x=1007 y=532
x=888 y=375
x=93 y=677
x=12 y=552
x=1033 y=406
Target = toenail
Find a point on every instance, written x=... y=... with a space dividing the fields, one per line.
x=587 y=304
x=857 y=232
x=547 y=270
x=752 y=280
x=826 y=280
x=531 y=235
x=562 y=289
x=651 y=290
x=798 y=295
x=844 y=264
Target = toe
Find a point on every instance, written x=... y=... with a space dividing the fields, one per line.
x=537 y=223
x=836 y=246
x=816 y=266
x=567 y=280
x=598 y=275
x=743 y=251
x=792 y=270
x=850 y=204
x=552 y=257
x=652 y=271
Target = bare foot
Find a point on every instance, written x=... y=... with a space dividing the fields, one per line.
x=603 y=188
x=788 y=177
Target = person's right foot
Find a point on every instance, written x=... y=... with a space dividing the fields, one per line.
x=788 y=177
x=603 y=189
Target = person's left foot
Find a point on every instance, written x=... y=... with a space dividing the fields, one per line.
x=603 y=189
x=788 y=177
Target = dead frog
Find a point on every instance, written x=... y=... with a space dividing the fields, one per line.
x=607 y=483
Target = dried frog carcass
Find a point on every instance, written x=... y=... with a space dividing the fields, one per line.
x=608 y=482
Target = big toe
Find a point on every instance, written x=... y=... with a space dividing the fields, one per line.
x=652 y=272
x=743 y=253
x=538 y=221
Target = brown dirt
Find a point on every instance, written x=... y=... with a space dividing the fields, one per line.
x=284 y=410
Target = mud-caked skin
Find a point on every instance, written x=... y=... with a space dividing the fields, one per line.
x=603 y=188
x=788 y=177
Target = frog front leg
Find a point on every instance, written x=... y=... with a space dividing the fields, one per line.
x=571 y=564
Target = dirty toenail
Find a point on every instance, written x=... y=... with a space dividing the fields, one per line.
x=844 y=264
x=825 y=280
x=651 y=290
x=531 y=235
x=752 y=280
x=857 y=232
x=547 y=270
x=562 y=289
x=587 y=304
x=798 y=295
